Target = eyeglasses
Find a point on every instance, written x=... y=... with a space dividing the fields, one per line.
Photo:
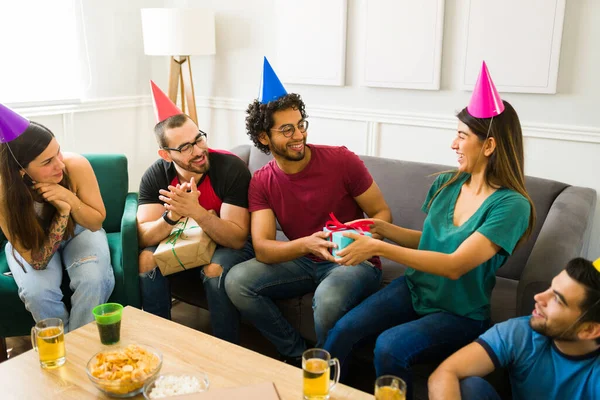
x=289 y=129
x=188 y=148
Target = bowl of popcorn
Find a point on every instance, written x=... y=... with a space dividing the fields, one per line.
x=164 y=386
x=122 y=371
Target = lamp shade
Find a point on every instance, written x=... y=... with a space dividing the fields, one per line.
x=178 y=31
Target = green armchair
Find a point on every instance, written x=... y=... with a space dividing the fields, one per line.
x=121 y=230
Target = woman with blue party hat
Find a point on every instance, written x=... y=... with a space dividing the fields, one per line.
x=51 y=212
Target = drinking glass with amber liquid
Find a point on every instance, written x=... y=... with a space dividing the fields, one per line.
x=389 y=387
x=48 y=339
x=316 y=364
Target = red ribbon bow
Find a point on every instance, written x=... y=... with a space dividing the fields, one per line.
x=334 y=225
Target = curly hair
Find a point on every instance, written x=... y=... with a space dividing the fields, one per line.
x=260 y=116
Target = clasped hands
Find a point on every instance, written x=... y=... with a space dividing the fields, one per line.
x=181 y=200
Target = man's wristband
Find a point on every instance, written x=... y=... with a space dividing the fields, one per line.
x=169 y=220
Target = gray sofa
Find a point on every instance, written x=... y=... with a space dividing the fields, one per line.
x=564 y=219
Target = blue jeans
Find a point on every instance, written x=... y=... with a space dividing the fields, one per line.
x=403 y=337
x=253 y=286
x=86 y=259
x=224 y=317
x=476 y=388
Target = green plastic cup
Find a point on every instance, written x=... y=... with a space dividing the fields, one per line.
x=108 y=319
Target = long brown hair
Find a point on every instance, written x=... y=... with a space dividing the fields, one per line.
x=505 y=167
x=22 y=222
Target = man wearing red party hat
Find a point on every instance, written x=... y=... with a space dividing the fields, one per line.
x=552 y=354
x=476 y=216
x=299 y=188
x=211 y=187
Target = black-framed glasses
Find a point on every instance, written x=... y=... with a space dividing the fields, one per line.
x=188 y=148
x=289 y=129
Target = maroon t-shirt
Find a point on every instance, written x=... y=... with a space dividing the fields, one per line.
x=302 y=202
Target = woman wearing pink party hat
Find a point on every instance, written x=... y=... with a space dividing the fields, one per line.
x=51 y=212
x=476 y=216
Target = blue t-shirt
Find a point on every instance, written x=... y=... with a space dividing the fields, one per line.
x=502 y=218
x=537 y=369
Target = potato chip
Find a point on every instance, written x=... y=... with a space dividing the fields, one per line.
x=124 y=369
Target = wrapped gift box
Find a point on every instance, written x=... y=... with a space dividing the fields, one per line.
x=338 y=238
x=336 y=232
x=187 y=246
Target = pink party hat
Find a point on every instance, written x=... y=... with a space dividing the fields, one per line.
x=485 y=100
x=163 y=106
x=12 y=125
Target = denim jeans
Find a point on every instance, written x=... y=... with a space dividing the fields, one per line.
x=253 y=286
x=224 y=317
x=476 y=388
x=403 y=337
x=86 y=259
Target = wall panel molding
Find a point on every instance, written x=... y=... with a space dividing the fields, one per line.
x=403 y=43
x=373 y=118
x=527 y=32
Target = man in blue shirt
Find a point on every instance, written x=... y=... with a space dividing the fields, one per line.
x=553 y=354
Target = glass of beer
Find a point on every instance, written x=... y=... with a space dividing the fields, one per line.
x=315 y=366
x=48 y=339
x=390 y=387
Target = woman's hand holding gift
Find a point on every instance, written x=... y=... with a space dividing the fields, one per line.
x=377 y=227
x=363 y=248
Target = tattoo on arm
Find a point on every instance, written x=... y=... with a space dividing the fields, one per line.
x=41 y=257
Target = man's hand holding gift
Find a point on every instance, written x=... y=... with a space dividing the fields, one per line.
x=318 y=245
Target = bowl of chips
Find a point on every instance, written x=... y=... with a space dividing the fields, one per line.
x=122 y=371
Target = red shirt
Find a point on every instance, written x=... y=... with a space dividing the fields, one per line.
x=207 y=198
x=302 y=202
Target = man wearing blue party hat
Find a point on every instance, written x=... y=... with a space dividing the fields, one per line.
x=552 y=354
x=299 y=188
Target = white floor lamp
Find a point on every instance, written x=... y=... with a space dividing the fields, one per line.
x=179 y=33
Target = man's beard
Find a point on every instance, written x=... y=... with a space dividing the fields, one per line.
x=566 y=334
x=283 y=152
x=193 y=168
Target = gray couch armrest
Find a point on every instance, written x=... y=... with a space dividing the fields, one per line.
x=564 y=236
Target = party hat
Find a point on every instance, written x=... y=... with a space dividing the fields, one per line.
x=163 y=106
x=485 y=100
x=270 y=87
x=12 y=125
x=597 y=264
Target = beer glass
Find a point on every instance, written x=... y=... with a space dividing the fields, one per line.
x=48 y=339
x=315 y=366
x=390 y=387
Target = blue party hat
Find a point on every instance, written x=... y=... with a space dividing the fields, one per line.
x=270 y=87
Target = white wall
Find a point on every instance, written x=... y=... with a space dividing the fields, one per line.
x=562 y=131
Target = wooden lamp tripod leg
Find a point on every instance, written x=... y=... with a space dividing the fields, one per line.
x=180 y=74
x=188 y=89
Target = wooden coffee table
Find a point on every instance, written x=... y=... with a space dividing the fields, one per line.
x=185 y=351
